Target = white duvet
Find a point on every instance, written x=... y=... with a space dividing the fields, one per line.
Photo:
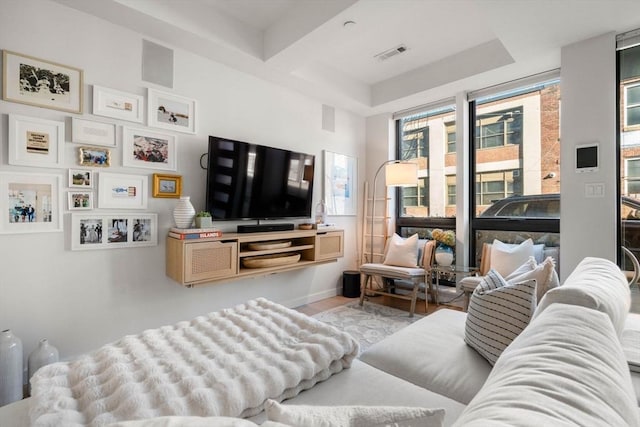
x=227 y=363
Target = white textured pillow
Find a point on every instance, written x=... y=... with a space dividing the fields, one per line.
x=528 y=266
x=506 y=257
x=402 y=252
x=497 y=313
x=544 y=274
x=356 y=416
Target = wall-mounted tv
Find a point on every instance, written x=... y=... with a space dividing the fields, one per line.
x=251 y=181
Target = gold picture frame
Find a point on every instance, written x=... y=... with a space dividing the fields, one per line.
x=167 y=186
x=94 y=156
x=34 y=81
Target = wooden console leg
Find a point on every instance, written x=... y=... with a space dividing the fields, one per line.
x=363 y=289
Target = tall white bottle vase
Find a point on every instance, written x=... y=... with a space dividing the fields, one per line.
x=10 y=368
x=184 y=213
x=43 y=355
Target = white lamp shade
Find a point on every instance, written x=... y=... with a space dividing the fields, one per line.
x=401 y=174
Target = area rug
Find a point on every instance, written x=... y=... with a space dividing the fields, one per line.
x=368 y=324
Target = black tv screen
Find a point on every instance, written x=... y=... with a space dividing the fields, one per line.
x=250 y=181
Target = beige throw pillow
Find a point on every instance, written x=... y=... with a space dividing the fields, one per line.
x=544 y=274
x=506 y=257
x=353 y=416
x=402 y=252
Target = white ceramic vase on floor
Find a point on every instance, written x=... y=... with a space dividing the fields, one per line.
x=184 y=213
x=43 y=355
x=10 y=368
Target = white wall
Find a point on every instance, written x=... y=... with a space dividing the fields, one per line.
x=80 y=300
x=588 y=114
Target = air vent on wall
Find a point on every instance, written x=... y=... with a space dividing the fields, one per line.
x=383 y=56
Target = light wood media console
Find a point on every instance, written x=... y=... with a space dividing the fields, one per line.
x=194 y=262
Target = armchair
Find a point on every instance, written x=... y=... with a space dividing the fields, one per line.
x=420 y=274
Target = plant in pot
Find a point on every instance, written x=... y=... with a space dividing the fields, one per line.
x=203 y=220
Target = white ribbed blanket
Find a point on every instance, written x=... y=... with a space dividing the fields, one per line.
x=226 y=363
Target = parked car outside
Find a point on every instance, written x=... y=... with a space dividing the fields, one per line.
x=548 y=206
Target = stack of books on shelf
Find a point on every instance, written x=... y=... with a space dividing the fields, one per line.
x=194 y=233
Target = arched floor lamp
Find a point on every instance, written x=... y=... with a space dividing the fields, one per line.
x=398 y=173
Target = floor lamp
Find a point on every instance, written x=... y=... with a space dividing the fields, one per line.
x=398 y=173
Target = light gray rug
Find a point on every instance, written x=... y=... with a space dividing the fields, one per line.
x=368 y=324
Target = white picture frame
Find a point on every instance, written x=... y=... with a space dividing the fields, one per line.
x=120 y=191
x=80 y=200
x=41 y=191
x=117 y=104
x=80 y=178
x=340 y=184
x=34 y=81
x=171 y=112
x=93 y=133
x=143 y=148
x=35 y=142
x=91 y=231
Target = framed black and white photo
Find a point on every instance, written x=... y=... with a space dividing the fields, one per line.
x=79 y=200
x=30 y=203
x=171 y=112
x=119 y=191
x=111 y=231
x=35 y=142
x=33 y=81
x=94 y=156
x=142 y=148
x=116 y=104
x=93 y=133
x=80 y=178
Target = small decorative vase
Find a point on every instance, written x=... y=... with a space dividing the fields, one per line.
x=444 y=255
x=10 y=368
x=184 y=213
x=43 y=355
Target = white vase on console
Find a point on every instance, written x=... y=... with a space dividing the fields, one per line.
x=10 y=367
x=184 y=213
x=44 y=354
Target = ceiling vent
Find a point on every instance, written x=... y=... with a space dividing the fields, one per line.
x=383 y=56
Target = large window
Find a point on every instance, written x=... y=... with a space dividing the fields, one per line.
x=515 y=165
x=629 y=150
x=428 y=137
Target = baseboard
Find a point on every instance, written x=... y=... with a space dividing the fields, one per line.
x=308 y=299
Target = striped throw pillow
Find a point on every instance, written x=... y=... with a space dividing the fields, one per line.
x=498 y=312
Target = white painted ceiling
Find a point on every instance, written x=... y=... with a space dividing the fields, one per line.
x=452 y=45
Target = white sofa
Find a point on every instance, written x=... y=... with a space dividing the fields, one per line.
x=566 y=368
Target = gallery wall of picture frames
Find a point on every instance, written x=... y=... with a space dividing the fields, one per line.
x=35 y=202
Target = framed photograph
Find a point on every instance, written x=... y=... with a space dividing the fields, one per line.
x=42 y=83
x=80 y=200
x=340 y=184
x=93 y=133
x=169 y=186
x=80 y=178
x=118 y=191
x=172 y=112
x=117 y=104
x=30 y=203
x=35 y=142
x=93 y=156
x=142 y=148
x=112 y=231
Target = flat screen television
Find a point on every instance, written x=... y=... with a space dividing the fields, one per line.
x=251 y=181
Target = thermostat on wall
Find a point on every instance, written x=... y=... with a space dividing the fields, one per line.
x=587 y=157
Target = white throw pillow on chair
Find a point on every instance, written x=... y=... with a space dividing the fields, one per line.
x=506 y=258
x=402 y=252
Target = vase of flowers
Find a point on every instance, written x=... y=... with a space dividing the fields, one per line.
x=444 y=250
